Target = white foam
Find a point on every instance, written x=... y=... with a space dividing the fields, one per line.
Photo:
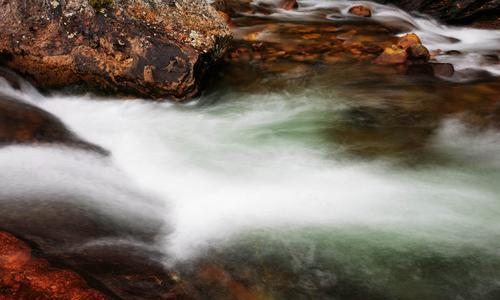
x=231 y=168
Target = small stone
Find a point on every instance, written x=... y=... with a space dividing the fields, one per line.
x=418 y=51
x=435 y=53
x=360 y=11
x=443 y=69
x=392 y=55
x=453 y=52
x=148 y=74
x=408 y=40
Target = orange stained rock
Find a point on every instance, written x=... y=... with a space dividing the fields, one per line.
x=392 y=55
x=23 y=276
x=408 y=40
x=226 y=18
x=360 y=11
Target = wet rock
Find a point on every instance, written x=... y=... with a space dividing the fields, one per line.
x=418 y=52
x=23 y=276
x=226 y=18
x=453 y=52
x=11 y=78
x=154 y=49
x=23 y=123
x=392 y=55
x=430 y=69
x=408 y=40
x=443 y=69
x=491 y=58
x=361 y=11
x=112 y=246
x=419 y=69
x=289 y=4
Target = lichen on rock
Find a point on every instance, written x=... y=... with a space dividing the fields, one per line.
x=77 y=42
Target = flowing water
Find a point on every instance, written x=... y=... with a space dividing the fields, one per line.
x=330 y=184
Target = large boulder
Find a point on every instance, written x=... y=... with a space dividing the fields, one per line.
x=477 y=12
x=151 y=48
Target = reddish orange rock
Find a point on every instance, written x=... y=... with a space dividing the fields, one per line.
x=23 y=276
x=393 y=55
x=408 y=40
x=360 y=11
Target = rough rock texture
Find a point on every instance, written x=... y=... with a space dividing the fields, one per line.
x=23 y=276
x=152 y=48
x=479 y=12
x=23 y=123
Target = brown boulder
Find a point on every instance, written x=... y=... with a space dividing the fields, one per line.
x=360 y=11
x=151 y=48
x=23 y=123
x=23 y=276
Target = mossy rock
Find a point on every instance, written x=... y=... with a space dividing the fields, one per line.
x=100 y=4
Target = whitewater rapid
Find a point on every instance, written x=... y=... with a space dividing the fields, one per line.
x=255 y=162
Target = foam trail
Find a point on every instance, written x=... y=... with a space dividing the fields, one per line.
x=233 y=168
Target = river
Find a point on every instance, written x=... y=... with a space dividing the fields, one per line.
x=331 y=182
